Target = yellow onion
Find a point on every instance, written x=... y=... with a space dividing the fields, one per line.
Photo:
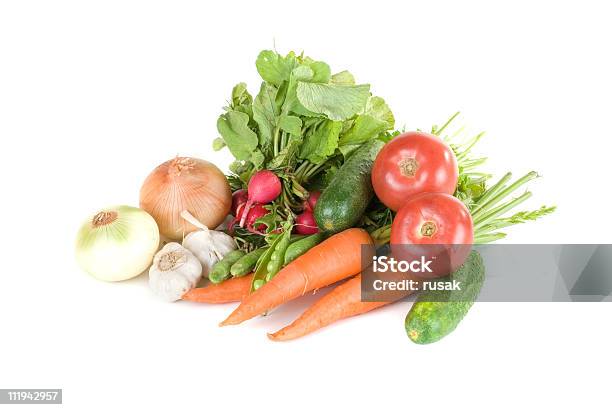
x=185 y=184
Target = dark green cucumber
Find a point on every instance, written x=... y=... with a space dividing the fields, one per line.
x=300 y=247
x=435 y=314
x=347 y=196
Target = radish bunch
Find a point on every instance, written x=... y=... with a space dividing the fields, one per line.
x=247 y=206
x=264 y=187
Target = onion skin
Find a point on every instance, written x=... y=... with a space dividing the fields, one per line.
x=186 y=184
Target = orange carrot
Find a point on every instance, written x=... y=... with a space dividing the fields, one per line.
x=334 y=259
x=232 y=290
x=342 y=302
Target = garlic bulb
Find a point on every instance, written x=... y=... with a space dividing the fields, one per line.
x=175 y=270
x=207 y=245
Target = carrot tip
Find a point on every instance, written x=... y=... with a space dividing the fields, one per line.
x=229 y=322
x=279 y=336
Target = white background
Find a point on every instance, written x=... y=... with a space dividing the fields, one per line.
x=93 y=95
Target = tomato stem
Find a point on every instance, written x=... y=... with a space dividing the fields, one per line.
x=429 y=229
x=408 y=167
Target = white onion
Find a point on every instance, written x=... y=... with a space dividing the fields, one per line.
x=117 y=243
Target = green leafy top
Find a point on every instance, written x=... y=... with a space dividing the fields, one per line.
x=303 y=116
x=302 y=124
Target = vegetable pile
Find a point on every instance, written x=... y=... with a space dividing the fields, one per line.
x=319 y=172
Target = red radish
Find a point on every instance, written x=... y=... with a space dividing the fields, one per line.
x=305 y=224
x=255 y=213
x=237 y=215
x=310 y=203
x=264 y=187
x=239 y=198
x=230 y=226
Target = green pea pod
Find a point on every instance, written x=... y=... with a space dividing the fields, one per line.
x=277 y=257
x=296 y=237
x=258 y=283
x=221 y=270
x=300 y=247
x=261 y=268
x=246 y=264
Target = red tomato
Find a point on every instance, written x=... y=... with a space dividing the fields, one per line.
x=411 y=164
x=437 y=226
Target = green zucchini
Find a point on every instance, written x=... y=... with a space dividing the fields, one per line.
x=347 y=196
x=435 y=314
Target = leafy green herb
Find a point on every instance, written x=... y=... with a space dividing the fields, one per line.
x=239 y=138
x=336 y=102
x=274 y=68
x=322 y=142
x=343 y=78
x=303 y=123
